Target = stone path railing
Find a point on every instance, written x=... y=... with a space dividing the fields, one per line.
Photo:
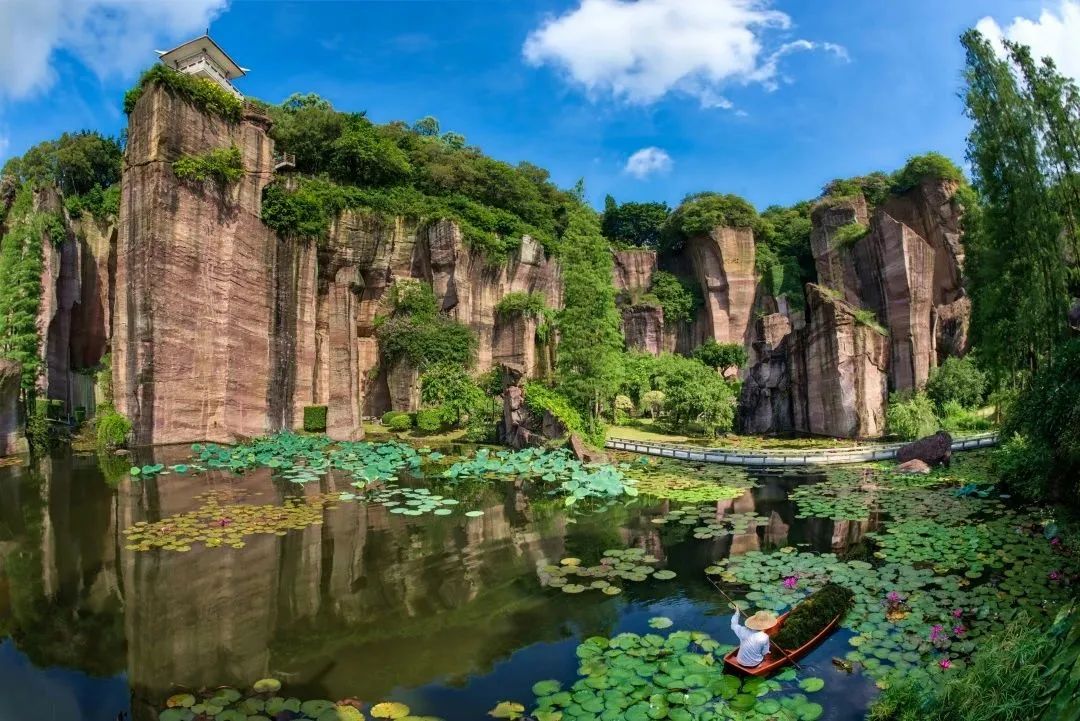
x=810 y=457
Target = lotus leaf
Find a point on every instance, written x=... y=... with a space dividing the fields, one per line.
x=267 y=685
x=507 y=709
x=389 y=709
x=812 y=684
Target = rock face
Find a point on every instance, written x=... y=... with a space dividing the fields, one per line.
x=221 y=329
x=12 y=440
x=931 y=450
x=194 y=292
x=765 y=402
x=838 y=371
x=723 y=262
x=633 y=270
x=643 y=329
x=642 y=323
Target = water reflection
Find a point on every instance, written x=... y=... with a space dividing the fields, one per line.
x=445 y=612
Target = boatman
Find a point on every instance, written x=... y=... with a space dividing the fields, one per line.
x=753 y=641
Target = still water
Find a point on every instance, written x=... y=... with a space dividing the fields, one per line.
x=443 y=613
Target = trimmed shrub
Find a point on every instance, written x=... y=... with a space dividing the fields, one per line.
x=315 y=419
x=112 y=428
x=389 y=416
x=400 y=423
x=910 y=417
x=429 y=420
x=812 y=615
x=847 y=235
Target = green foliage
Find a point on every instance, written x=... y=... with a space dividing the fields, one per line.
x=874 y=188
x=400 y=423
x=1026 y=466
x=653 y=401
x=221 y=166
x=1045 y=420
x=76 y=163
x=928 y=165
x=784 y=258
x=411 y=297
x=679 y=299
x=100 y=204
x=448 y=387
x=694 y=392
x=1016 y=674
x=590 y=336
x=426 y=341
x=21 y=265
x=957 y=380
x=531 y=304
x=389 y=416
x=721 y=355
x=634 y=224
x=1024 y=151
x=399 y=170
x=955 y=417
x=38 y=429
x=112 y=428
x=540 y=398
x=847 y=235
x=910 y=416
x=315 y=419
x=204 y=94
x=812 y=615
x=429 y=420
x=701 y=213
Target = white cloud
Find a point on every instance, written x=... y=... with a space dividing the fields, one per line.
x=112 y=37
x=1054 y=34
x=648 y=161
x=640 y=51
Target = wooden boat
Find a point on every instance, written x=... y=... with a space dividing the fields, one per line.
x=776 y=659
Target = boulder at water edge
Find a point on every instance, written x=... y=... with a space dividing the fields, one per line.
x=932 y=450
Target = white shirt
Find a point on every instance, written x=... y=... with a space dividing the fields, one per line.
x=753 y=645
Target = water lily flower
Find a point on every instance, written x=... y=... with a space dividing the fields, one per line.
x=936 y=632
x=1055 y=541
x=1054 y=575
x=894 y=597
x=958 y=630
x=791 y=582
x=958 y=613
x=945 y=664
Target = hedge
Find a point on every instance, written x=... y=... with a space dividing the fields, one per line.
x=315 y=419
x=400 y=423
x=389 y=417
x=429 y=420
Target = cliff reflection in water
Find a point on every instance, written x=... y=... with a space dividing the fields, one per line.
x=361 y=604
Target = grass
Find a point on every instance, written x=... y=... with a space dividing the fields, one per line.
x=645 y=429
x=375 y=431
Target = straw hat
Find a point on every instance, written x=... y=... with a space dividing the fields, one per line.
x=761 y=621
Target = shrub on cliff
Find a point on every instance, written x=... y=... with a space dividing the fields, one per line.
x=920 y=167
x=679 y=299
x=539 y=398
x=701 y=213
x=204 y=94
x=221 y=166
x=910 y=416
x=874 y=187
x=532 y=304
x=111 y=428
x=847 y=235
x=634 y=224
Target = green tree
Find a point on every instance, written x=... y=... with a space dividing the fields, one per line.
x=428 y=126
x=693 y=392
x=450 y=389
x=590 y=339
x=635 y=224
x=1015 y=254
x=720 y=355
x=958 y=380
x=679 y=299
x=361 y=155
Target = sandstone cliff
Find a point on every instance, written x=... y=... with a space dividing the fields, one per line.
x=221 y=329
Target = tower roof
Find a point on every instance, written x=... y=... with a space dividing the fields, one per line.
x=205 y=44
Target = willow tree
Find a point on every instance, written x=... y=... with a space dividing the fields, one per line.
x=1016 y=251
x=590 y=340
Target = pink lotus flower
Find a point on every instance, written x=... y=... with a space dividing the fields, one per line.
x=945 y=664
x=958 y=613
x=959 y=630
x=1054 y=575
x=936 y=632
x=791 y=582
x=1055 y=541
x=894 y=597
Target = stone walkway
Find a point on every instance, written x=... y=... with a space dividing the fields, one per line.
x=810 y=457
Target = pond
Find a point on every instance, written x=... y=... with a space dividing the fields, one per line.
x=119 y=591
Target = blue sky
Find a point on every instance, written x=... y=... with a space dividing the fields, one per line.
x=856 y=86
